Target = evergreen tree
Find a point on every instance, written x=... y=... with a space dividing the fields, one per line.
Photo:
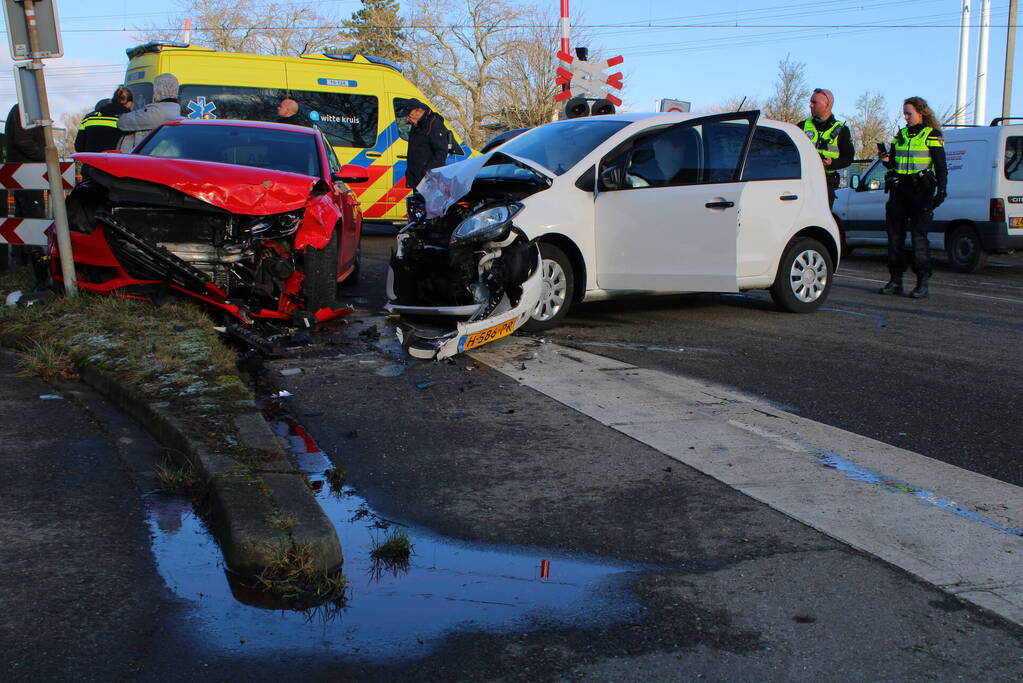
x=376 y=30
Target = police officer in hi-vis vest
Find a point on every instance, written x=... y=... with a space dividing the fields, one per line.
x=830 y=137
x=917 y=181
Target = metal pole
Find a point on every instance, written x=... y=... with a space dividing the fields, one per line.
x=964 y=50
x=565 y=43
x=980 y=105
x=1010 y=57
x=67 y=262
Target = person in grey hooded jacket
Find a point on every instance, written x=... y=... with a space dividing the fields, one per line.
x=136 y=124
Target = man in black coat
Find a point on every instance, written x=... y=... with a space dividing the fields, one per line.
x=427 y=141
x=98 y=131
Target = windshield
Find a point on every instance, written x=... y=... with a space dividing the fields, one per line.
x=279 y=150
x=560 y=147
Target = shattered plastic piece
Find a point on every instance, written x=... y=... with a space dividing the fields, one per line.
x=288 y=372
x=47 y=397
x=283 y=393
x=424 y=385
x=12 y=298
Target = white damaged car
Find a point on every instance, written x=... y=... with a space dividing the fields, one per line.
x=590 y=208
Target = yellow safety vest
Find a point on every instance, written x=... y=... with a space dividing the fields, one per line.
x=828 y=137
x=96 y=119
x=913 y=154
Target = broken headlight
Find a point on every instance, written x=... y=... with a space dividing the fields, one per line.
x=277 y=226
x=485 y=226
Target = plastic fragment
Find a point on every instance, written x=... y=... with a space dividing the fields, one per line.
x=283 y=393
x=424 y=385
x=288 y=372
x=48 y=397
x=12 y=298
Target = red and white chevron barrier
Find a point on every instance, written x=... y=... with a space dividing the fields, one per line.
x=30 y=231
x=34 y=176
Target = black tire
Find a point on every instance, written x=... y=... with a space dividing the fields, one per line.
x=319 y=288
x=804 y=276
x=964 y=251
x=353 y=277
x=558 y=287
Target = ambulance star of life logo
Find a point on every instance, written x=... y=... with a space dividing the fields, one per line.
x=199 y=108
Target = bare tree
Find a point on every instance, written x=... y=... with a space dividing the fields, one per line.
x=250 y=26
x=64 y=136
x=376 y=30
x=459 y=46
x=791 y=93
x=870 y=124
x=734 y=103
x=523 y=96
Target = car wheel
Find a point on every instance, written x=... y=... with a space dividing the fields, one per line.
x=558 y=282
x=320 y=283
x=964 y=251
x=804 y=276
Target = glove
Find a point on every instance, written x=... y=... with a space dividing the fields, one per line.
x=939 y=197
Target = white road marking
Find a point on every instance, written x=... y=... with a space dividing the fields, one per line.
x=944 y=291
x=955 y=529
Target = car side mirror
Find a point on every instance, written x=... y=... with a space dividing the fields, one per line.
x=351 y=173
x=874 y=184
x=854 y=181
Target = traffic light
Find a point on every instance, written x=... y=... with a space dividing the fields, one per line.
x=578 y=107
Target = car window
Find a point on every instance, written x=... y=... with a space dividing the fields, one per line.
x=347 y=119
x=559 y=147
x=1014 y=158
x=772 y=156
x=876 y=172
x=684 y=154
x=242 y=145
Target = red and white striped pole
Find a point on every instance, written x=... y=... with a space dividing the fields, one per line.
x=566 y=44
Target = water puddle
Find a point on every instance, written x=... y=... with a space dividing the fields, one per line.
x=449 y=586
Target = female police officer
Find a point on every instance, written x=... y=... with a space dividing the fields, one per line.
x=917 y=183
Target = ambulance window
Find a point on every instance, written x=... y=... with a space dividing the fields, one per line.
x=141 y=94
x=348 y=120
x=332 y=162
x=1014 y=158
x=403 y=125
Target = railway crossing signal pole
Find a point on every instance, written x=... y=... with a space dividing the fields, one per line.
x=35 y=36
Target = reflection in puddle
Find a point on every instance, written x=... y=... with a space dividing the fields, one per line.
x=392 y=612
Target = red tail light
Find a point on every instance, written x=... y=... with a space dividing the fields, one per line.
x=997 y=210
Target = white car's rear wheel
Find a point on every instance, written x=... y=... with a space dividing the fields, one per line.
x=804 y=276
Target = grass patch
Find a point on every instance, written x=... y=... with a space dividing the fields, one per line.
x=335 y=479
x=179 y=479
x=395 y=549
x=293 y=574
x=48 y=360
x=18 y=278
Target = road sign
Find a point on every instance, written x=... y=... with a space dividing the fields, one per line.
x=27 y=87
x=675 y=105
x=47 y=29
x=34 y=176
x=31 y=231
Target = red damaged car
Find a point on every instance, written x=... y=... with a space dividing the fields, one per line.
x=253 y=219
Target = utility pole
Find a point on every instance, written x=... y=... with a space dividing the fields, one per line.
x=964 y=50
x=1010 y=57
x=980 y=104
x=36 y=53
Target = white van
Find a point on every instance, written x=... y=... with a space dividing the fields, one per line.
x=983 y=213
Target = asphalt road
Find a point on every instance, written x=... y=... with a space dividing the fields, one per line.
x=937 y=376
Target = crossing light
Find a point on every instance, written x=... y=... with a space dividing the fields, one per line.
x=578 y=107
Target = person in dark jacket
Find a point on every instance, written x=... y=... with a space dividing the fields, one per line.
x=25 y=146
x=427 y=141
x=98 y=131
x=135 y=125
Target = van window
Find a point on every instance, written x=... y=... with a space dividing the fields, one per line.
x=1014 y=158
x=347 y=120
x=141 y=94
x=772 y=156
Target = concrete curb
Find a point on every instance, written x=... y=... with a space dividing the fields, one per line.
x=255 y=512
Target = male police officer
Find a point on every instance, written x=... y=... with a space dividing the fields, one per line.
x=830 y=137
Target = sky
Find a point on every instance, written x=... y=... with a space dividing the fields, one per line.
x=705 y=53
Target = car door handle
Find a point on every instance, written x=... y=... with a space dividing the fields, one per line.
x=402 y=156
x=720 y=205
x=789 y=197
x=373 y=155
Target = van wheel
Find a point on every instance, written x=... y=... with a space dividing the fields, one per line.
x=557 y=285
x=964 y=251
x=804 y=275
x=320 y=283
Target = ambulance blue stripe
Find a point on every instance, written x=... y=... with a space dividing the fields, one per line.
x=386 y=138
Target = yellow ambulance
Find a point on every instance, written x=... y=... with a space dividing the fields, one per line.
x=352 y=98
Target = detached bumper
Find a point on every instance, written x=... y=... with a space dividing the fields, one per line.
x=420 y=343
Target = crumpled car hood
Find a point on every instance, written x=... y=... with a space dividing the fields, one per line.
x=444 y=186
x=239 y=189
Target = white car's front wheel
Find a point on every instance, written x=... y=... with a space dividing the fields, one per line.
x=557 y=282
x=804 y=276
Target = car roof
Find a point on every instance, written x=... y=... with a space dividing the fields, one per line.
x=243 y=122
x=657 y=118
